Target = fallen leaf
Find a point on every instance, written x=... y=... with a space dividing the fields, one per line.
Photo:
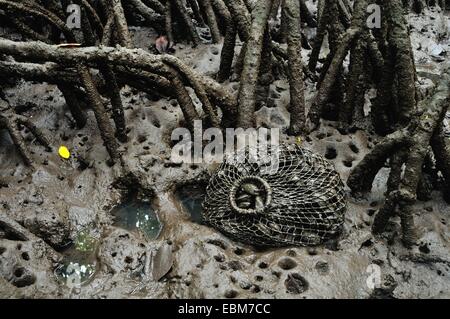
x=64 y=152
x=162 y=262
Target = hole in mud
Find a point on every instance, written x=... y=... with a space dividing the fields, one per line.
x=423 y=248
x=330 y=153
x=245 y=285
x=255 y=289
x=321 y=136
x=348 y=162
x=25 y=256
x=2 y=250
x=368 y=243
x=219 y=258
x=23 y=278
x=128 y=259
x=263 y=265
x=291 y=253
x=231 y=294
x=218 y=243
x=235 y=265
x=287 y=263
x=239 y=251
x=296 y=284
x=10 y=233
x=371 y=212
x=191 y=197
x=354 y=148
x=141 y=139
x=19 y=272
x=277 y=274
x=136 y=215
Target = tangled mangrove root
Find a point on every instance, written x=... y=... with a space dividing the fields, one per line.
x=424 y=131
x=261 y=42
x=10 y=121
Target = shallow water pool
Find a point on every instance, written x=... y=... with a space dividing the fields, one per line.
x=138 y=215
x=191 y=198
x=79 y=262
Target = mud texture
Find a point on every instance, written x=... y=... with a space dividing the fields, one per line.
x=61 y=198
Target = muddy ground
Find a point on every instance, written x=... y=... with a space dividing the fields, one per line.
x=62 y=199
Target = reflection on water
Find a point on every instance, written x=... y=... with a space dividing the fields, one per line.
x=85 y=242
x=138 y=215
x=191 y=198
x=75 y=274
x=79 y=262
x=5 y=138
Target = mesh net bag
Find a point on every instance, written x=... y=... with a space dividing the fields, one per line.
x=299 y=200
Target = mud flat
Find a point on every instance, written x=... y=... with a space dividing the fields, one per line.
x=179 y=256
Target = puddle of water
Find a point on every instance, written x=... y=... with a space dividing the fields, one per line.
x=75 y=274
x=5 y=138
x=138 y=215
x=79 y=262
x=191 y=198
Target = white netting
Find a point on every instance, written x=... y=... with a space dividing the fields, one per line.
x=300 y=201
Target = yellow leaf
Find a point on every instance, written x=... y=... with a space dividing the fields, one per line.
x=298 y=139
x=64 y=152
